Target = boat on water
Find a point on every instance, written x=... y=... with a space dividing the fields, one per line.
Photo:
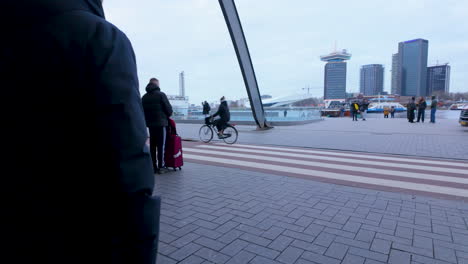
x=380 y=106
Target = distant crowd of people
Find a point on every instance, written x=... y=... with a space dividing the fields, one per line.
x=359 y=108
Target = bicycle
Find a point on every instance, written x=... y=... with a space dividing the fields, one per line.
x=208 y=130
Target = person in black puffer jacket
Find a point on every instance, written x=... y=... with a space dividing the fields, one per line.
x=77 y=180
x=157 y=112
x=224 y=117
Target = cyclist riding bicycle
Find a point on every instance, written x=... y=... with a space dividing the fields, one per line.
x=224 y=117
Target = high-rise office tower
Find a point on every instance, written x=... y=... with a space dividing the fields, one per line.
x=396 y=85
x=413 y=67
x=335 y=74
x=438 y=78
x=372 y=79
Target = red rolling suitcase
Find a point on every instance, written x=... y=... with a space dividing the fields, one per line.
x=173 y=152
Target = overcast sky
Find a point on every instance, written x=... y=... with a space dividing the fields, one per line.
x=285 y=38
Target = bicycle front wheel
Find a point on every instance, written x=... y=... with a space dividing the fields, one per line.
x=205 y=134
x=230 y=135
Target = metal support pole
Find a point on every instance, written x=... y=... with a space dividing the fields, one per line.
x=245 y=62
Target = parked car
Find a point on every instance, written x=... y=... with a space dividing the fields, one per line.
x=464 y=116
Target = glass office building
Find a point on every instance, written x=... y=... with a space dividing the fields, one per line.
x=372 y=79
x=438 y=79
x=412 y=56
x=396 y=85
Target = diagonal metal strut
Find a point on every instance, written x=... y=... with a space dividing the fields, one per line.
x=245 y=62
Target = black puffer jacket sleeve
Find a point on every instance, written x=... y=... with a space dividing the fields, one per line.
x=122 y=129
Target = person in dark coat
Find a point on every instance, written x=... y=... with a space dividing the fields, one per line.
x=206 y=108
x=363 y=108
x=422 y=105
x=433 y=108
x=410 y=110
x=76 y=169
x=224 y=117
x=157 y=112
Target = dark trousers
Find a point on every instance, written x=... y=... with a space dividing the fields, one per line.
x=421 y=114
x=433 y=111
x=354 y=114
x=411 y=116
x=157 y=144
x=392 y=114
x=220 y=124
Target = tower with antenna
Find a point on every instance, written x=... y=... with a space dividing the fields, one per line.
x=335 y=74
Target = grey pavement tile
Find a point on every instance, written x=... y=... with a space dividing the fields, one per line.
x=187 y=239
x=263 y=260
x=250 y=229
x=365 y=235
x=207 y=233
x=184 y=230
x=210 y=243
x=340 y=219
x=314 y=229
x=368 y=254
x=352 y=242
x=273 y=232
x=185 y=252
x=165 y=260
x=446 y=254
x=226 y=227
x=280 y=243
x=304 y=221
x=352 y=259
x=255 y=239
x=242 y=257
x=324 y=239
x=211 y=255
x=318 y=258
x=192 y=260
x=381 y=246
x=394 y=239
x=339 y=232
x=460 y=239
x=303 y=261
x=165 y=249
x=206 y=224
x=223 y=219
x=309 y=247
x=230 y=236
x=351 y=226
x=422 y=242
x=415 y=250
x=235 y=247
x=166 y=238
x=432 y=235
x=426 y=260
x=290 y=255
x=299 y=236
x=337 y=250
x=371 y=261
x=262 y=251
x=399 y=257
x=404 y=232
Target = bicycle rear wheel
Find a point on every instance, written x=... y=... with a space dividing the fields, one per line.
x=230 y=135
x=205 y=133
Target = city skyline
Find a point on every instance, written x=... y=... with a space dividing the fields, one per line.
x=285 y=41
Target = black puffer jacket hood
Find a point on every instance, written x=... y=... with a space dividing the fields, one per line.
x=151 y=87
x=27 y=11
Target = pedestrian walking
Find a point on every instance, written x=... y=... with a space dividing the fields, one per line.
x=157 y=112
x=285 y=113
x=422 y=105
x=206 y=108
x=410 y=110
x=433 y=108
x=363 y=109
x=392 y=112
x=76 y=171
x=354 y=110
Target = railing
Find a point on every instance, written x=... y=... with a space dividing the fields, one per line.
x=276 y=114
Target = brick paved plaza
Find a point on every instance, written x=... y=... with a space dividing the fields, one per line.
x=224 y=215
x=215 y=211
